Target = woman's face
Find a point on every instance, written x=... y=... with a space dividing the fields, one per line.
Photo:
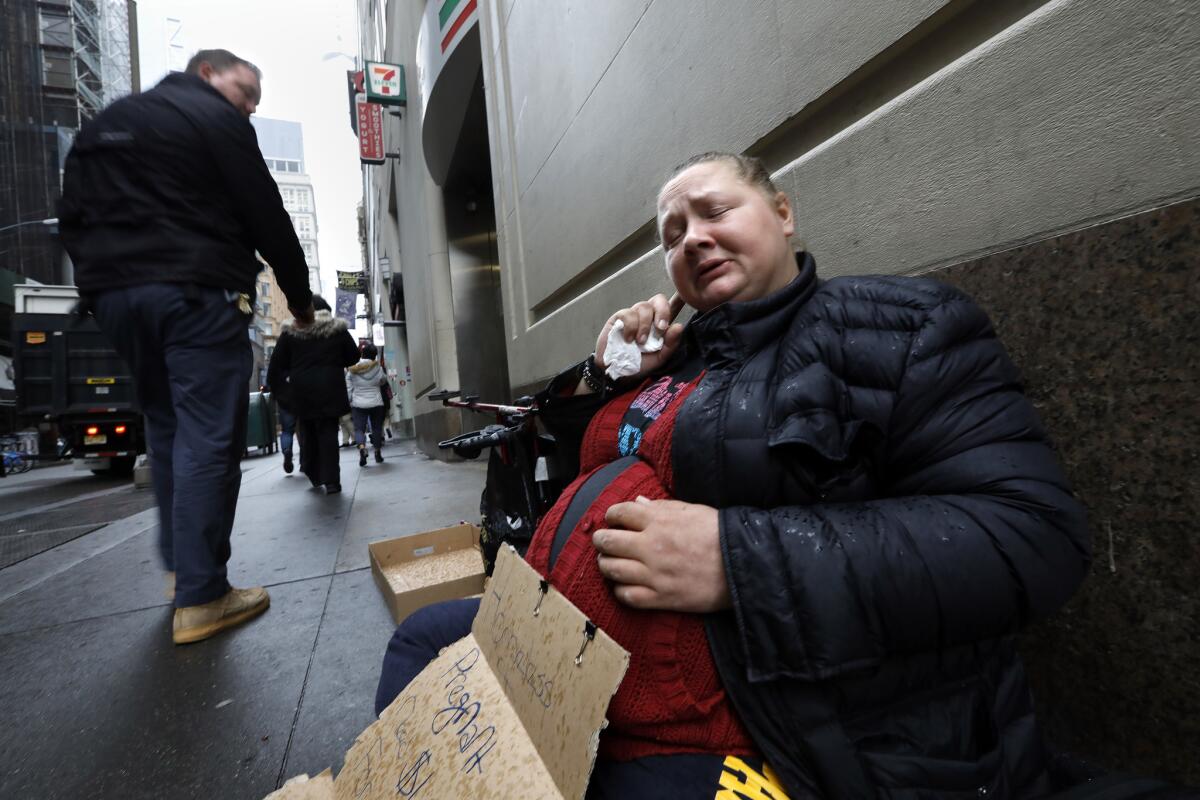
x=723 y=238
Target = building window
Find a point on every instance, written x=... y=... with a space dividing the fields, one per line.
x=55 y=29
x=283 y=164
x=58 y=70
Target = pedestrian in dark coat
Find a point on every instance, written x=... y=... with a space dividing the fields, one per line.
x=166 y=199
x=287 y=425
x=815 y=518
x=310 y=359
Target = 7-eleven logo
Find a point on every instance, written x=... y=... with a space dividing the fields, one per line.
x=452 y=15
x=385 y=79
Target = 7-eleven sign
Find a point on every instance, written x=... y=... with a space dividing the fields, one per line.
x=385 y=83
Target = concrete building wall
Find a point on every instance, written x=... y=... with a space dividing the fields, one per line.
x=910 y=134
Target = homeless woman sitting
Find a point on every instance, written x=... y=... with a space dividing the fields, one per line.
x=815 y=519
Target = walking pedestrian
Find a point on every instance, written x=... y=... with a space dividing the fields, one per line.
x=385 y=389
x=364 y=386
x=310 y=360
x=166 y=198
x=287 y=433
x=346 y=424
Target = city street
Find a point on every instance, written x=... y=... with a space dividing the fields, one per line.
x=44 y=508
x=99 y=702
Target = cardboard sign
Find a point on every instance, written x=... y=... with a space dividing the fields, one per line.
x=303 y=787
x=515 y=709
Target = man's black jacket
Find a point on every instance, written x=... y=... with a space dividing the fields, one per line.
x=170 y=186
x=891 y=512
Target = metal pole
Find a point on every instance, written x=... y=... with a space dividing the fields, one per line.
x=46 y=222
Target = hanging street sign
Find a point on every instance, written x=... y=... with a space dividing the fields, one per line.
x=370 y=131
x=350 y=281
x=385 y=84
x=354 y=83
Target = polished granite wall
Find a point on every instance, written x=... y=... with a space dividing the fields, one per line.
x=1105 y=325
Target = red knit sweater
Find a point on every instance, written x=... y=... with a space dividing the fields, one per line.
x=671 y=699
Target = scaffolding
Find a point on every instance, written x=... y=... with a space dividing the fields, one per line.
x=104 y=66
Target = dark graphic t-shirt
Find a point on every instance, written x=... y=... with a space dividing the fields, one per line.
x=650 y=404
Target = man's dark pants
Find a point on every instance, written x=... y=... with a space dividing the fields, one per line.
x=190 y=355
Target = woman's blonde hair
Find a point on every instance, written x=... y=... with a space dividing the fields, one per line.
x=747 y=168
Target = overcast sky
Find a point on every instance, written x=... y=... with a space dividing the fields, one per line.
x=287 y=40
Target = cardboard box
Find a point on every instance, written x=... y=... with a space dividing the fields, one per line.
x=514 y=709
x=414 y=571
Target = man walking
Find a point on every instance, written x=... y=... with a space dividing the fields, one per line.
x=166 y=198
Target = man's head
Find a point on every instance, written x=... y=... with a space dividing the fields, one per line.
x=235 y=78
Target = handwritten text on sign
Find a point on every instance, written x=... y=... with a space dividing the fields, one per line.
x=456 y=714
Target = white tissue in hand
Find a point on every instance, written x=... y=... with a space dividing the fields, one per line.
x=654 y=341
x=625 y=358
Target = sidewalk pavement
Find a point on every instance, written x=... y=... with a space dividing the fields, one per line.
x=99 y=703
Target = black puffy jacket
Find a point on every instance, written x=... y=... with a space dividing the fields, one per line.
x=169 y=186
x=308 y=367
x=891 y=512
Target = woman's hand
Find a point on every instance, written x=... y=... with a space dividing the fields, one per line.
x=656 y=313
x=664 y=554
x=304 y=317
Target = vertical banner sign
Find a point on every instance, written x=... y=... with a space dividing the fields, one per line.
x=370 y=131
x=348 y=286
x=345 y=303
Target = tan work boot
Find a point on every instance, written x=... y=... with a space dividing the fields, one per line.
x=170 y=590
x=194 y=623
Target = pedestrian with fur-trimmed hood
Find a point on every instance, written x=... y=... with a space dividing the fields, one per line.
x=364 y=388
x=310 y=359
